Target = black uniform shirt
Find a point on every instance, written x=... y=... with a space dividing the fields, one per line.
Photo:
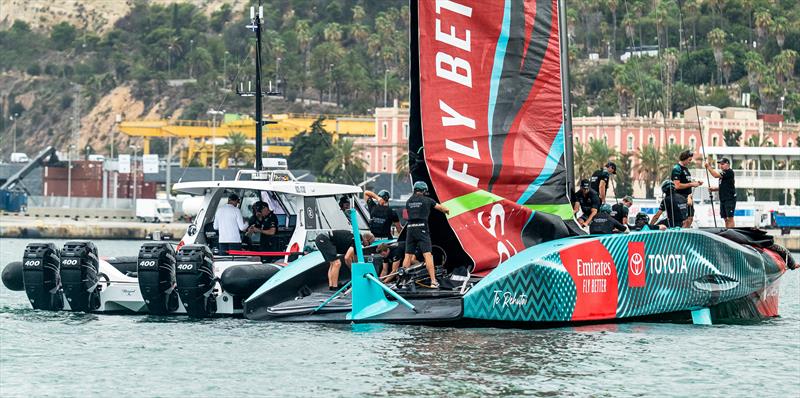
x=682 y=174
x=587 y=202
x=381 y=219
x=677 y=209
x=594 y=181
x=396 y=253
x=268 y=222
x=419 y=208
x=603 y=223
x=343 y=240
x=727 y=188
x=619 y=211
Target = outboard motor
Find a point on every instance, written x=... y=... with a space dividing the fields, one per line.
x=40 y=276
x=155 y=269
x=195 y=279
x=79 y=267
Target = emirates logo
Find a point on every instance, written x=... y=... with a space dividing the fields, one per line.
x=637 y=264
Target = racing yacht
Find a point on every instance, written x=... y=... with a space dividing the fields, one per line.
x=490 y=133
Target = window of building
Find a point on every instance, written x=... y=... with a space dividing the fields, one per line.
x=651 y=140
x=405 y=130
x=630 y=143
x=692 y=143
x=672 y=140
x=605 y=138
x=714 y=140
x=384 y=161
x=385 y=130
x=591 y=138
x=789 y=143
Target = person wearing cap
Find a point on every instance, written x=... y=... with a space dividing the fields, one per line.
x=381 y=216
x=727 y=190
x=600 y=178
x=674 y=204
x=604 y=223
x=587 y=201
x=418 y=207
x=263 y=226
x=620 y=210
x=682 y=179
x=229 y=222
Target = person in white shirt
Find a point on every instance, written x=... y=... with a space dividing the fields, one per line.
x=229 y=222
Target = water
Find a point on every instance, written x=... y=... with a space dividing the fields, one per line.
x=67 y=354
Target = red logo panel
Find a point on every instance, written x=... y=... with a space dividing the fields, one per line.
x=637 y=272
x=595 y=276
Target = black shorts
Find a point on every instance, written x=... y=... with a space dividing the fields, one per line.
x=690 y=211
x=417 y=239
x=727 y=208
x=326 y=247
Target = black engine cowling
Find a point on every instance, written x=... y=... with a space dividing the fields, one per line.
x=79 y=268
x=195 y=279
x=155 y=270
x=40 y=276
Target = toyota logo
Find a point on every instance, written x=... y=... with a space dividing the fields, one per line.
x=637 y=264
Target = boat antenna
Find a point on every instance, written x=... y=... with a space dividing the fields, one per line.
x=700 y=133
x=256 y=19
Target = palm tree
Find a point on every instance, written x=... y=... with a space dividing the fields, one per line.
x=728 y=62
x=717 y=40
x=754 y=64
x=779 y=30
x=648 y=167
x=345 y=164
x=303 y=32
x=693 y=9
x=748 y=6
x=583 y=163
x=669 y=157
x=670 y=64
x=612 y=6
x=763 y=23
x=624 y=86
x=784 y=65
x=599 y=153
x=237 y=151
x=401 y=165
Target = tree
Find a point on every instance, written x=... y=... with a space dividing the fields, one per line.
x=624 y=177
x=401 y=165
x=784 y=65
x=763 y=24
x=582 y=161
x=237 y=151
x=346 y=164
x=779 y=29
x=600 y=153
x=309 y=149
x=649 y=167
x=612 y=6
x=716 y=38
x=63 y=35
x=731 y=137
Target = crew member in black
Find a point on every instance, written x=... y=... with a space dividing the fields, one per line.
x=263 y=226
x=600 y=178
x=419 y=208
x=381 y=216
x=393 y=256
x=337 y=245
x=620 y=210
x=674 y=204
x=727 y=190
x=587 y=201
x=682 y=179
x=604 y=223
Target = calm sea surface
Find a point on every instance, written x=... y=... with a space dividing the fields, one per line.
x=66 y=355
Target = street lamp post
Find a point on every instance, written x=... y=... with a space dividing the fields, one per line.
x=134 y=171
x=385 y=87
x=15 y=118
x=277 y=74
x=214 y=114
x=782 y=99
x=69 y=175
x=330 y=89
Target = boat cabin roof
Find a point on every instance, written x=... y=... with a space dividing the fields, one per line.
x=289 y=187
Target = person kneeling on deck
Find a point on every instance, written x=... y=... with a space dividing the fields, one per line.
x=587 y=201
x=419 y=208
x=338 y=245
x=263 y=226
x=393 y=256
x=381 y=216
x=605 y=223
x=229 y=222
x=674 y=204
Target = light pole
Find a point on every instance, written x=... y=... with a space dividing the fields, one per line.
x=15 y=118
x=782 y=99
x=214 y=114
x=135 y=148
x=69 y=175
x=277 y=74
x=169 y=62
x=385 y=87
x=225 y=67
x=330 y=90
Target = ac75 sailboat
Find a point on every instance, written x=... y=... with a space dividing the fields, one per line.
x=490 y=133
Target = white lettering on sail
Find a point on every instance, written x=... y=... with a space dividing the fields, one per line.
x=498 y=213
x=458 y=71
x=463 y=175
x=455 y=119
x=454 y=7
x=451 y=38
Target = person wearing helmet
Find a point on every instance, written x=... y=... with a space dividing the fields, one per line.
x=587 y=201
x=682 y=179
x=381 y=216
x=418 y=207
x=599 y=180
x=674 y=204
x=604 y=223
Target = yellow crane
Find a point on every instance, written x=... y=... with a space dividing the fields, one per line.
x=277 y=137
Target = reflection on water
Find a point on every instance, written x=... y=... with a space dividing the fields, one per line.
x=69 y=354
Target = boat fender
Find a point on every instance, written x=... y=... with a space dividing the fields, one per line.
x=41 y=278
x=243 y=280
x=12 y=276
x=79 y=266
x=194 y=274
x=155 y=271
